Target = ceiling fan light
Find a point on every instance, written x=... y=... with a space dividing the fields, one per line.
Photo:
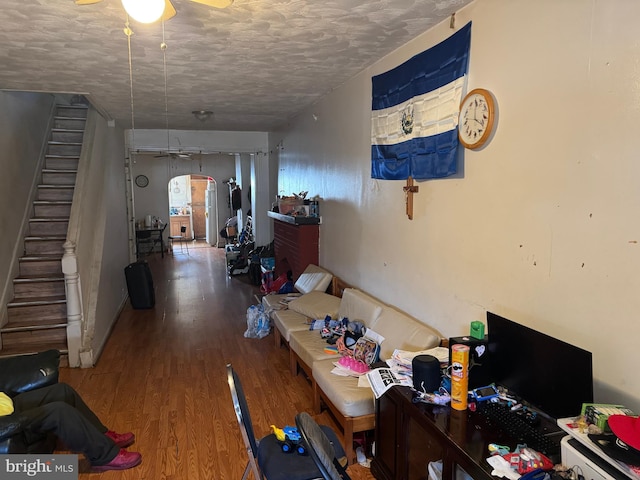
x=202 y=115
x=144 y=11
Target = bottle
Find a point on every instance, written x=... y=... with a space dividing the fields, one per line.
x=314 y=209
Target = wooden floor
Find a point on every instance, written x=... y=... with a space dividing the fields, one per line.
x=162 y=375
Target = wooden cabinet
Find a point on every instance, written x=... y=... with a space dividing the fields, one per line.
x=295 y=247
x=178 y=221
x=409 y=436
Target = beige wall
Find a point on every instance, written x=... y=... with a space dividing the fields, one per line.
x=24 y=122
x=541 y=226
x=110 y=251
x=24 y=129
x=154 y=199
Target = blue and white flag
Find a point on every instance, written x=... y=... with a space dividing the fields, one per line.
x=414 y=118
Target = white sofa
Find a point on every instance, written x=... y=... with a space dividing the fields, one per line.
x=313 y=279
x=352 y=406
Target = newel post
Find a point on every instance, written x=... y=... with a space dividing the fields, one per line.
x=74 y=302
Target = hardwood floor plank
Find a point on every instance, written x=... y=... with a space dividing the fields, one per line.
x=162 y=375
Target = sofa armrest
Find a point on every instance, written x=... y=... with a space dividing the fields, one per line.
x=27 y=372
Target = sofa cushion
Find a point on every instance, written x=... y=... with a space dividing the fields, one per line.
x=400 y=331
x=272 y=301
x=316 y=305
x=313 y=278
x=344 y=393
x=358 y=306
x=287 y=321
x=309 y=346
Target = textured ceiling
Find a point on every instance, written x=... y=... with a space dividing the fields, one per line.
x=255 y=64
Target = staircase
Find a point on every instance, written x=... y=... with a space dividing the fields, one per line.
x=38 y=311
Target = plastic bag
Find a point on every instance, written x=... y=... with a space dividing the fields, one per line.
x=258 y=324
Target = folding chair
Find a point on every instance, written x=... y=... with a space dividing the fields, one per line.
x=182 y=239
x=322 y=450
x=267 y=459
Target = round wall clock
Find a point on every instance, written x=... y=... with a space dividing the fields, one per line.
x=142 y=181
x=475 y=122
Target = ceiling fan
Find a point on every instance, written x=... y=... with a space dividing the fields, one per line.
x=169 y=10
x=174 y=155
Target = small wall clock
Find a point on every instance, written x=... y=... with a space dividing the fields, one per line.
x=475 y=121
x=142 y=181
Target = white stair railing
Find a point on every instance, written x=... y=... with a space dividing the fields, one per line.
x=74 y=302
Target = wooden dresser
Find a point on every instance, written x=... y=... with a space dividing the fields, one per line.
x=295 y=246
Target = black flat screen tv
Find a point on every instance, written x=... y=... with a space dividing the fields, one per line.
x=552 y=376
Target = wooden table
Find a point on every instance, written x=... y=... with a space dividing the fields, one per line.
x=150 y=236
x=411 y=435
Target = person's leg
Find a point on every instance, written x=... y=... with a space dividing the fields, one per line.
x=75 y=430
x=59 y=392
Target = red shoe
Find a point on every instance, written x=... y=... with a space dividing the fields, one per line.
x=122 y=461
x=121 y=439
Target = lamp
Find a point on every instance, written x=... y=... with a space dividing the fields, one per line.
x=202 y=115
x=144 y=11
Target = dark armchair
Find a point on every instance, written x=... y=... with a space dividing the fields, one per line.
x=21 y=374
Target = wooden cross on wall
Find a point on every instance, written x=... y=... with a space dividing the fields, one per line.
x=409 y=190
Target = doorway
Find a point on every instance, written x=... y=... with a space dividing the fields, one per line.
x=189 y=208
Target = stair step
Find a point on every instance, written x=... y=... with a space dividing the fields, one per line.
x=48 y=226
x=71 y=123
x=15 y=327
x=59 y=148
x=50 y=245
x=38 y=310
x=61 y=162
x=67 y=135
x=55 y=192
x=31 y=286
x=72 y=111
x=49 y=265
x=59 y=177
x=33 y=338
x=28 y=349
x=52 y=208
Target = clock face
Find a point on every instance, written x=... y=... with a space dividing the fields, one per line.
x=475 y=122
x=142 y=181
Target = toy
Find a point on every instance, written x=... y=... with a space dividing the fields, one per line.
x=289 y=439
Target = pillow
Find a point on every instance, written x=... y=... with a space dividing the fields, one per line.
x=316 y=305
x=313 y=278
x=6 y=405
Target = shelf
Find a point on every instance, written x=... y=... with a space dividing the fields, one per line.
x=295 y=220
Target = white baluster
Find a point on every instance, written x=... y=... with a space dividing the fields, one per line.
x=74 y=302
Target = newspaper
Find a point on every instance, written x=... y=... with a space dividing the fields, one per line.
x=382 y=379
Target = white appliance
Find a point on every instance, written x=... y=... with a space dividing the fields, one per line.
x=211 y=214
x=578 y=450
x=585 y=462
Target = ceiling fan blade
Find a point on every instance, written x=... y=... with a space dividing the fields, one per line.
x=215 y=3
x=87 y=2
x=169 y=11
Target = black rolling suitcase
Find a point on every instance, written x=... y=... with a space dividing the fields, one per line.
x=140 y=285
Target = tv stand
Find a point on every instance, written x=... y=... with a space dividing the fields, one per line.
x=410 y=435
